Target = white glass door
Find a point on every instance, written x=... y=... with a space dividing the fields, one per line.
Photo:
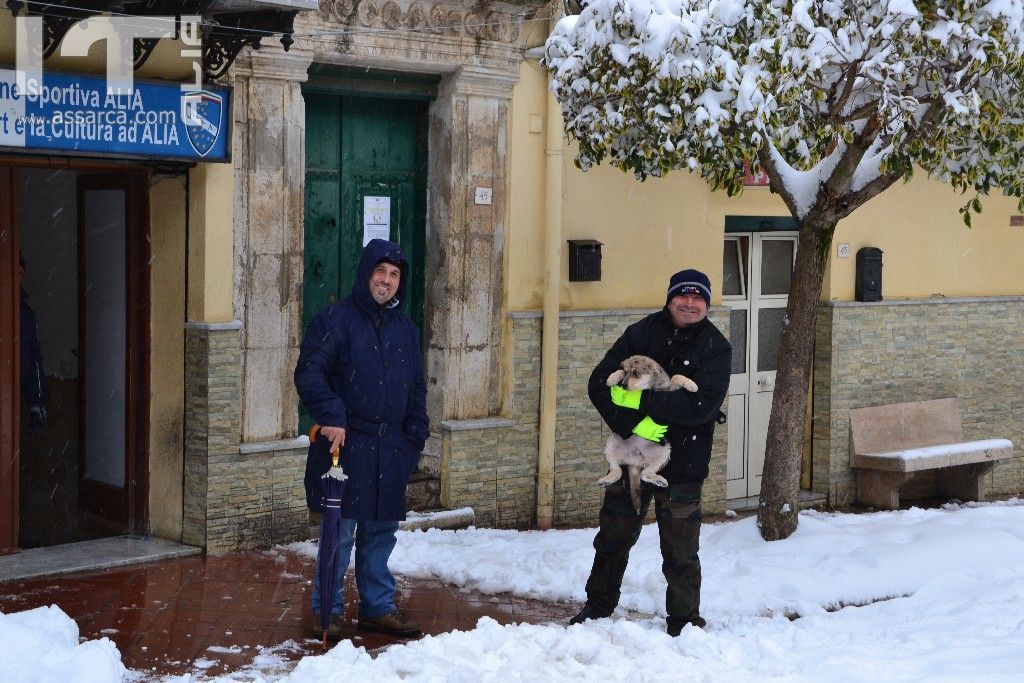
x=757 y=272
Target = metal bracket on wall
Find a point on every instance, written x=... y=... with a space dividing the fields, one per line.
x=226 y=29
x=225 y=35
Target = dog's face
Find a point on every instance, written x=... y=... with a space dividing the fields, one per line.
x=639 y=372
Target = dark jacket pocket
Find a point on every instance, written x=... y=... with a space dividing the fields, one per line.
x=684 y=493
x=413 y=452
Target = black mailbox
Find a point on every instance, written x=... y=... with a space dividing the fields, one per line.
x=584 y=261
x=868 y=282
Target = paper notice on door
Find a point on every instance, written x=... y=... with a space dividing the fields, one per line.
x=376 y=218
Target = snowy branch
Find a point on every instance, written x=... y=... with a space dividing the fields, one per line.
x=659 y=85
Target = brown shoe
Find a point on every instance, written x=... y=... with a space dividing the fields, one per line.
x=394 y=624
x=333 y=629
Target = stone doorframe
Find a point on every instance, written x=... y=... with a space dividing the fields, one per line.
x=477 y=52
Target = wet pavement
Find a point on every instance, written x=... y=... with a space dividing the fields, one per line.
x=214 y=615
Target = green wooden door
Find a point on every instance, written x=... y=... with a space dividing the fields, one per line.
x=366 y=176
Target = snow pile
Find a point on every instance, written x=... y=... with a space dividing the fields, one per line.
x=831 y=560
x=957 y=628
x=42 y=645
x=896 y=596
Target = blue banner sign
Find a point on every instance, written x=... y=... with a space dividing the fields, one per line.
x=75 y=114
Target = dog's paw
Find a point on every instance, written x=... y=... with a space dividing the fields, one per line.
x=608 y=479
x=685 y=382
x=615 y=378
x=656 y=479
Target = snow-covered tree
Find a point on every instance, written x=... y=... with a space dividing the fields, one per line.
x=835 y=99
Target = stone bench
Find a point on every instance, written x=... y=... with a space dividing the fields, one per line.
x=890 y=444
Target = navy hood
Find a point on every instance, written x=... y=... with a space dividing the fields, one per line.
x=374 y=252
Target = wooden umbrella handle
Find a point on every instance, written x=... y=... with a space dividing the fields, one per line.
x=335 y=454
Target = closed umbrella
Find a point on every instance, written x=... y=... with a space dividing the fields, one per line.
x=330 y=531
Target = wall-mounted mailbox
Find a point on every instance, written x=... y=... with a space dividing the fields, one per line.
x=868 y=280
x=584 y=261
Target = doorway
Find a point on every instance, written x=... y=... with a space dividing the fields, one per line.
x=756 y=278
x=366 y=177
x=78 y=241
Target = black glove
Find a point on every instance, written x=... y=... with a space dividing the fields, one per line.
x=37 y=418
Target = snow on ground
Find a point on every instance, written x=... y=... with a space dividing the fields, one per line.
x=942 y=594
x=832 y=559
x=42 y=645
x=895 y=596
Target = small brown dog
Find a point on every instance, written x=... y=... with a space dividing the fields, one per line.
x=641 y=457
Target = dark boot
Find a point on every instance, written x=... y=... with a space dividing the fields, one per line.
x=587 y=613
x=394 y=624
x=675 y=626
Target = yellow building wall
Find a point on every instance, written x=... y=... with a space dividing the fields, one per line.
x=209 y=237
x=649 y=230
x=211 y=243
x=927 y=249
x=654 y=228
x=210 y=234
x=524 y=253
x=167 y=355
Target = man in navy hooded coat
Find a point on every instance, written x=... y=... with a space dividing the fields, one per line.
x=360 y=375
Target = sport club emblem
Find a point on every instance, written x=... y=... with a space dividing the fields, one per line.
x=202 y=112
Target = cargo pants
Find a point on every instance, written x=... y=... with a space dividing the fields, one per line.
x=678 y=513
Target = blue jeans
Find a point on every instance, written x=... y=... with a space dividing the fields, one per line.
x=374 y=542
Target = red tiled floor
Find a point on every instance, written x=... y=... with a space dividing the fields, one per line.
x=165 y=617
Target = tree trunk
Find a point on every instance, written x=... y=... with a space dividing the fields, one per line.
x=780 y=483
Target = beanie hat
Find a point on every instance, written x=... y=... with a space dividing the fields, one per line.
x=689 y=281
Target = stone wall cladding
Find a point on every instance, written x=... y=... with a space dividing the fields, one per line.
x=233 y=501
x=871 y=354
x=494 y=469
x=821 y=404
x=212 y=419
x=257 y=500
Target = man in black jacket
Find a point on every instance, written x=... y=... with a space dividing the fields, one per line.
x=682 y=339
